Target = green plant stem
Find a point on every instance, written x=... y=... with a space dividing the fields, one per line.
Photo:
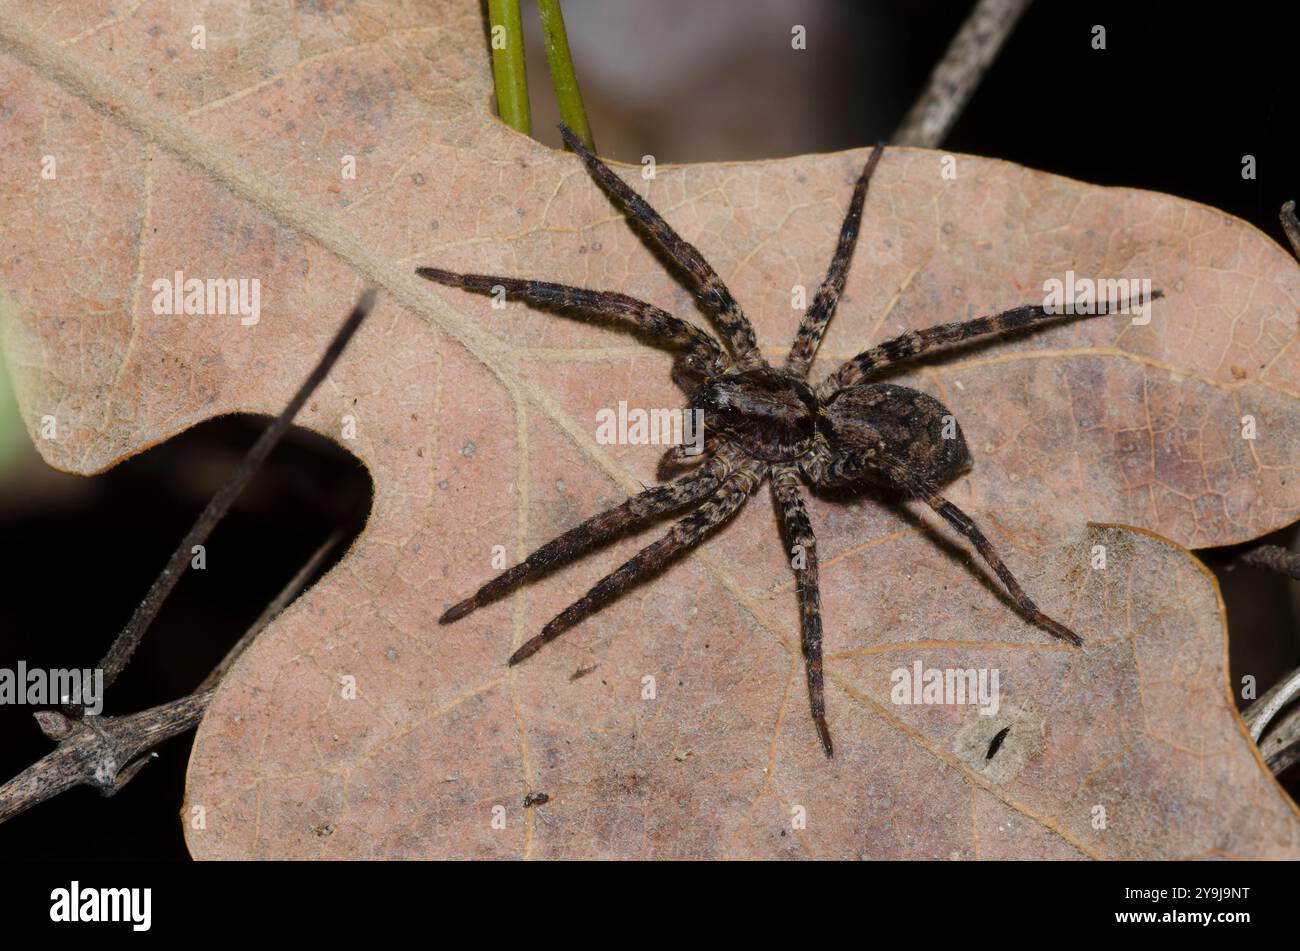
x=508 y=67
x=563 y=75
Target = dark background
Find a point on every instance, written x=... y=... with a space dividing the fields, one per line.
x=1180 y=94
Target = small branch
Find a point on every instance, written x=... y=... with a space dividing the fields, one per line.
x=563 y=76
x=1260 y=713
x=282 y=601
x=1281 y=747
x=509 y=70
x=1291 y=226
x=124 y=646
x=956 y=77
x=108 y=752
x=93 y=749
x=104 y=752
x=1274 y=558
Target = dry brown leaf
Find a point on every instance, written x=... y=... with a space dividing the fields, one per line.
x=477 y=427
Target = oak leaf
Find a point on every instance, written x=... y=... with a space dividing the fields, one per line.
x=477 y=426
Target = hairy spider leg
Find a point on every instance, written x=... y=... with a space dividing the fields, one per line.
x=654 y=501
x=721 y=304
x=915 y=342
x=683 y=536
x=819 y=313
x=799 y=535
x=850 y=468
x=964 y=524
x=646 y=317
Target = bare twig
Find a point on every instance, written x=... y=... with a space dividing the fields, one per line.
x=1274 y=558
x=108 y=752
x=104 y=752
x=282 y=601
x=958 y=74
x=120 y=653
x=1260 y=713
x=92 y=749
x=1281 y=745
x=1291 y=226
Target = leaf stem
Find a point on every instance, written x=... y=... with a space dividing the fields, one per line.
x=508 y=66
x=563 y=75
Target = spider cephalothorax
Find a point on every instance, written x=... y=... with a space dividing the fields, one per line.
x=763 y=422
x=767 y=414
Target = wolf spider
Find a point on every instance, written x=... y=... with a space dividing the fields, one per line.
x=762 y=423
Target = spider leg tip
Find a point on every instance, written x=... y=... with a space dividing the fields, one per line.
x=437 y=274
x=572 y=140
x=525 y=651
x=1060 y=630
x=1070 y=636
x=825 y=734
x=457 y=611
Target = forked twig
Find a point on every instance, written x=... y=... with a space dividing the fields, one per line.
x=957 y=75
x=124 y=646
x=107 y=752
x=1260 y=713
x=98 y=751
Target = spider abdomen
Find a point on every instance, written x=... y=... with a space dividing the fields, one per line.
x=891 y=422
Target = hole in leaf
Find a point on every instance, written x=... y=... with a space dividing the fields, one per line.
x=83 y=552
